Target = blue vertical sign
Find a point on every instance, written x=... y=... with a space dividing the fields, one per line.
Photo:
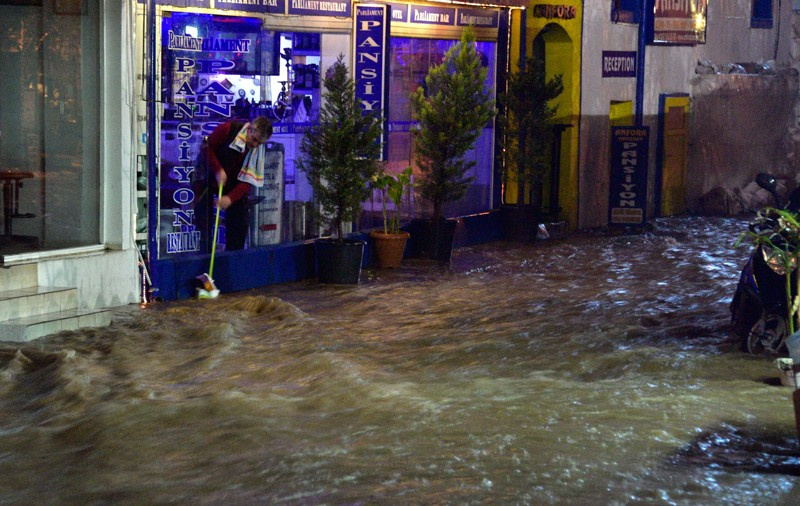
x=371 y=37
x=197 y=96
x=628 y=186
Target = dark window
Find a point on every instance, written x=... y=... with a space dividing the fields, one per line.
x=50 y=125
x=626 y=11
x=761 y=16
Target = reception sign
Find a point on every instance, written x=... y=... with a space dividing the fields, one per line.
x=619 y=63
x=628 y=186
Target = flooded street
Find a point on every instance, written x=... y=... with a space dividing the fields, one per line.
x=590 y=370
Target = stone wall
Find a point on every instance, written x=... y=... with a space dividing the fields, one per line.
x=742 y=124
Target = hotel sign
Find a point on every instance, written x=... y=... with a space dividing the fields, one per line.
x=628 y=186
x=679 y=21
x=399 y=12
x=549 y=11
x=371 y=36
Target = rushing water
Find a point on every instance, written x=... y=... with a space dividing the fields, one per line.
x=591 y=370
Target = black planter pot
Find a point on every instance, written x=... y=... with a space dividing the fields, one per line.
x=432 y=240
x=339 y=262
x=520 y=223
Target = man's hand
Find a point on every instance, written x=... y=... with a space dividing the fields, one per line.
x=224 y=202
x=222 y=177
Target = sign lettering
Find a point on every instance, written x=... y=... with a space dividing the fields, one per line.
x=628 y=185
x=371 y=33
x=619 y=64
x=549 y=11
x=679 y=21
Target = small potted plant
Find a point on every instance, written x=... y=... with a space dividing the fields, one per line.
x=339 y=157
x=391 y=242
x=452 y=109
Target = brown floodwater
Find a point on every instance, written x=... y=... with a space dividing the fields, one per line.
x=595 y=369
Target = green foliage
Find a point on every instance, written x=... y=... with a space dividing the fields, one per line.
x=392 y=186
x=339 y=155
x=778 y=230
x=526 y=125
x=452 y=110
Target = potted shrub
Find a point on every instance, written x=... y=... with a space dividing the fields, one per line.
x=339 y=157
x=391 y=242
x=452 y=109
x=526 y=127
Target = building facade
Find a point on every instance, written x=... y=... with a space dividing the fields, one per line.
x=105 y=107
x=216 y=60
x=711 y=81
x=66 y=147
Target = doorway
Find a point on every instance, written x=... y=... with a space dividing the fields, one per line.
x=555 y=47
x=673 y=146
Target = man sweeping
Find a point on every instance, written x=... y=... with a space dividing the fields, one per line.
x=236 y=155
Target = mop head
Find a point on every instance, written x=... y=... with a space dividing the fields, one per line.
x=209 y=289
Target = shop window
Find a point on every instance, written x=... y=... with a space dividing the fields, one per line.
x=626 y=11
x=761 y=14
x=49 y=127
x=243 y=70
x=410 y=60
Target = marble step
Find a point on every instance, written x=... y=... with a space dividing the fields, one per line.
x=24 y=302
x=18 y=276
x=33 y=327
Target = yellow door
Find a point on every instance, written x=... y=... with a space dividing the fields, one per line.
x=675 y=142
x=620 y=113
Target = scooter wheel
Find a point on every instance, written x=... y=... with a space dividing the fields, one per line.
x=767 y=336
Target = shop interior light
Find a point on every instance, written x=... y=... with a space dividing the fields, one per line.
x=699 y=22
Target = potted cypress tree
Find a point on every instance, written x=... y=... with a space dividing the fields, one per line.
x=339 y=156
x=525 y=124
x=391 y=242
x=452 y=110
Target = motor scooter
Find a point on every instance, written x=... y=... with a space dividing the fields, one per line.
x=759 y=307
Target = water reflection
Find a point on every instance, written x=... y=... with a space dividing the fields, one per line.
x=591 y=370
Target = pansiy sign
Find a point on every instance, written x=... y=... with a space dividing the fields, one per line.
x=371 y=33
x=628 y=175
x=191 y=106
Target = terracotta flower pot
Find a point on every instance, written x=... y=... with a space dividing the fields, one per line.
x=389 y=248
